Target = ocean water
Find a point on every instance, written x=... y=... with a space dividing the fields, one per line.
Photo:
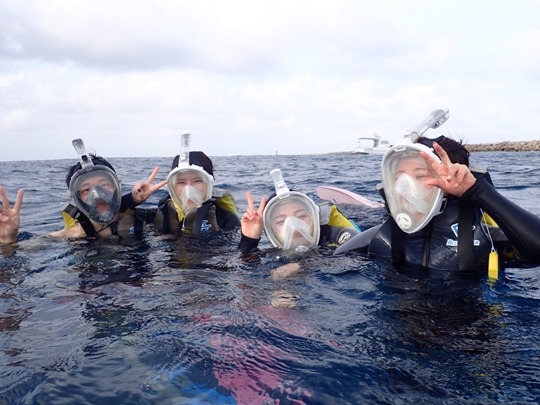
x=146 y=320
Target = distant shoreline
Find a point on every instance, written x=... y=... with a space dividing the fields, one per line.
x=506 y=146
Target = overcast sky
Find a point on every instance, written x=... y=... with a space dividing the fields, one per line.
x=253 y=77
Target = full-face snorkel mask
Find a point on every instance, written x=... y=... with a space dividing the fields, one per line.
x=291 y=219
x=95 y=189
x=193 y=182
x=412 y=203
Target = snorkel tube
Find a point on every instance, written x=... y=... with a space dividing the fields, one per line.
x=433 y=121
x=184 y=166
x=290 y=224
x=98 y=200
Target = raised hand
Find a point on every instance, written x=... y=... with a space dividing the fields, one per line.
x=455 y=178
x=143 y=190
x=252 y=220
x=10 y=217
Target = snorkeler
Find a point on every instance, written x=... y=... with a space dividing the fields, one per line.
x=10 y=217
x=431 y=193
x=292 y=221
x=193 y=205
x=97 y=208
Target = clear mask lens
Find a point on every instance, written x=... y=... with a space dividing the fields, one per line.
x=296 y=232
x=292 y=221
x=189 y=187
x=412 y=196
x=412 y=202
x=97 y=193
x=191 y=197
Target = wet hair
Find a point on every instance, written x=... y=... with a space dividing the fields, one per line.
x=197 y=158
x=97 y=160
x=455 y=150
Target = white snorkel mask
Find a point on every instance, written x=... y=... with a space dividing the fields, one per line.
x=193 y=183
x=291 y=219
x=412 y=203
x=95 y=189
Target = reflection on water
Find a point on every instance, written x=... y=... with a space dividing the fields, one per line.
x=145 y=320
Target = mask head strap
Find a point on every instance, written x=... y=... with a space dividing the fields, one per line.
x=429 y=142
x=194 y=159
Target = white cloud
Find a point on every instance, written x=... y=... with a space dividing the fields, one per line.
x=251 y=77
x=522 y=56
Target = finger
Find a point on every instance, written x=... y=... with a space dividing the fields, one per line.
x=452 y=170
x=247 y=216
x=249 y=197
x=137 y=188
x=18 y=201
x=261 y=207
x=460 y=174
x=5 y=200
x=153 y=175
x=159 y=185
x=437 y=183
x=442 y=154
x=430 y=161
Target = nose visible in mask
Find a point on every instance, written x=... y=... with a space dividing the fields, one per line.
x=101 y=205
x=291 y=225
x=193 y=195
x=413 y=196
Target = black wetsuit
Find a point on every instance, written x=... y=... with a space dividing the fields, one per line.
x=436 y=246
x=215 y=214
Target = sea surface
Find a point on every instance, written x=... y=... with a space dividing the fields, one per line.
x=147 y=320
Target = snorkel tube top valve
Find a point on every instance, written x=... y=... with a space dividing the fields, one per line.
x=184 y=149
x=85 y=160
x=433 y=121
x=282 y=190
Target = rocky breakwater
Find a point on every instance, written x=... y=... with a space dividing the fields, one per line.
x=507 y=146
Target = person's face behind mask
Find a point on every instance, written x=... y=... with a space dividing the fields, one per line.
x=413 y=194
x=191 y=188
x=292 y=224
x=89 y=183
x=98 y=196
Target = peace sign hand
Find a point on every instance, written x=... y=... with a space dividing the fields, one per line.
x=252 y=220
x=455 y=178
x=10 y=217
x=141 y=190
